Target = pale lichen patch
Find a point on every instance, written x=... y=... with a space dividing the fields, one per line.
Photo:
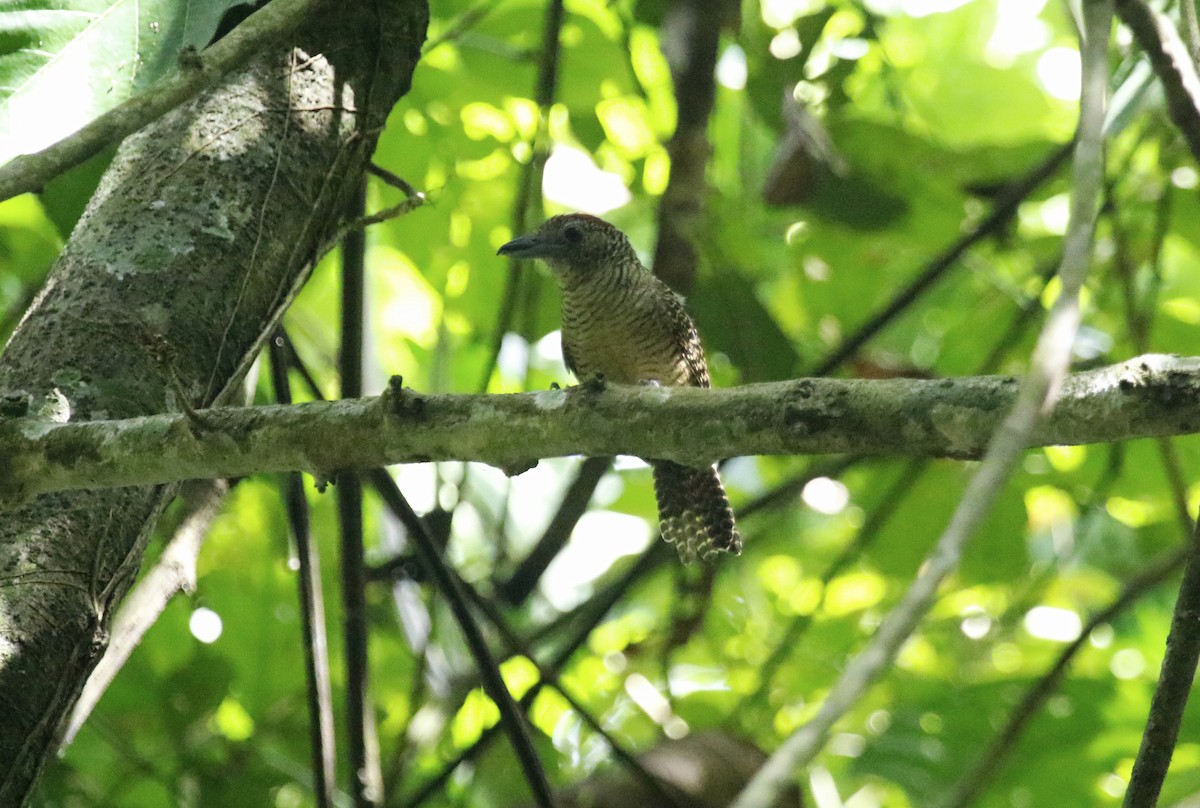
x=550 y=399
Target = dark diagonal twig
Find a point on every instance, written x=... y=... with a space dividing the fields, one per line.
x=1005 y=208
x=574 y=502
x=511 y=718
x=366 y=776
x=588 y=616
x=312 y=607
x=971 y=787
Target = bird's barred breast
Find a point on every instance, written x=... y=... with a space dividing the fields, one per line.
x=619 y=331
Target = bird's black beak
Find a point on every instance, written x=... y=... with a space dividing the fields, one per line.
x=532 y=246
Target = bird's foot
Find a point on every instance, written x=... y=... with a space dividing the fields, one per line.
x=594 y=383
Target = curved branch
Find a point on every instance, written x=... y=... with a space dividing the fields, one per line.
x=1150 y=396
x=1172 y=65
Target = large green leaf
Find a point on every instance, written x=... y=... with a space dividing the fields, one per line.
x=64 y=63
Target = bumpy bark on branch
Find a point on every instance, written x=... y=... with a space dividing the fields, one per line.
x=1149 y=396
x=199 y=235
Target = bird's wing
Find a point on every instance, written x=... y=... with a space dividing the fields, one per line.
x=568 y=359
x=688 y=339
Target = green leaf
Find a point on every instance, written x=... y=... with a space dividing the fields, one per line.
x=64 y=63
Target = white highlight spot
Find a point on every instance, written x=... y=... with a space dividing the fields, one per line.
x=1018 y=30
x=1102 y=636
x=1113 y=785
x=1053 y=623
x=646 y=696
x=731 y=68
x=205 y=625
x=572 y=180
x=825 y=495
x=600 y=538
x=782 y=13
x=975 y=623
x=1128 y=663
x=1059 y=71
x=847 y=744
x=1184 y=177
x=548 y=350
x=513 y=359
x=785 y=44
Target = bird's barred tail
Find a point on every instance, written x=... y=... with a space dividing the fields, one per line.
x=694 y=512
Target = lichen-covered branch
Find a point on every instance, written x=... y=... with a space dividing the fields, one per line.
x=1149 y=396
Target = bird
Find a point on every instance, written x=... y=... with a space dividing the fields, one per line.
x=623 y=324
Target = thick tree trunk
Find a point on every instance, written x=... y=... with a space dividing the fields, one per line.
x=204 y=227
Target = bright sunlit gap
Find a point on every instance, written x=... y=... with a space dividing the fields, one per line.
x=600 y=538
x=914 y=8
x=975 y=623
x=782 y=13
x=205 y=625
x=1059 y=71
x=1053 y=623
x=1128 y=663
x=731 y=68
x=572 y=180
x=1017 y=31
x=785 y=44
x=825 y=495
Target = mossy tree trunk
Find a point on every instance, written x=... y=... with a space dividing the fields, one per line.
x=202 y=230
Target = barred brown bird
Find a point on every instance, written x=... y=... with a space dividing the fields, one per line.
x=621 y=322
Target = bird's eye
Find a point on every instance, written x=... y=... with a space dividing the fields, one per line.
x=572 y=234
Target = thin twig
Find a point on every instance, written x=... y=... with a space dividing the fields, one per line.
x=270 y=24
x=1191 y=29
x=1038 y=389
x=1156 y=35
x=386 y=215
x=1138 y=315
x=588 y=615
x=392 y=179
x=529 y=181
x=1183 y=644
x=891 y=500
x=461 y=24
x=665 y=791
x=1171 y=695
x=312 y=607
x=1006 y=206
x=971 y=787
x=366 y=778
x=173 y=572
x=525 y=577
x=691 y=36
x=511 y=718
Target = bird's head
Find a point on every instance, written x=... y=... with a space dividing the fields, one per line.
x=573 y=243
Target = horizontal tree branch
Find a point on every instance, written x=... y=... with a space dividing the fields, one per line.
x=1152 y=395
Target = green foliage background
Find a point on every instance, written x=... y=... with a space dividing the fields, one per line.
x=931 y=117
